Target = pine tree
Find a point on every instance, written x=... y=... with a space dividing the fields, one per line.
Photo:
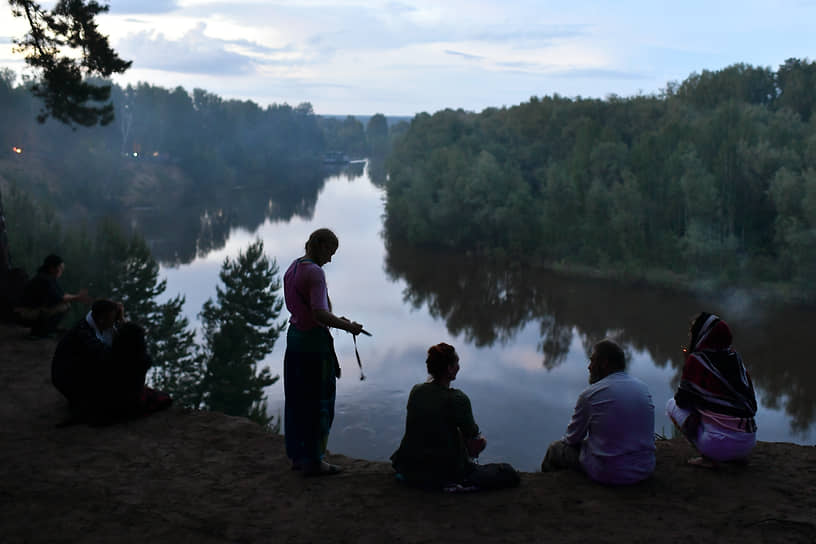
x=177 y=368
x=240 y=329
x=65 y=48
x=134 y=280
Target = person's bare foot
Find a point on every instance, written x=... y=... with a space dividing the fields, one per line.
x=321 y=469
x=702 y=462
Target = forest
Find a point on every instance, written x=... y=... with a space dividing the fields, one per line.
x=184 y=167
x=710 y=182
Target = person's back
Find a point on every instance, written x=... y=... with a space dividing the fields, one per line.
x=611 y=434
x=39 y=292
x=432 y=449
x=715 y=403
x=619 y=448
x=101 y=369
x=441 y=435
x=78 y=364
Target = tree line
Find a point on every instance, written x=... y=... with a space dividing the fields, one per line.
x=218 y=143
x=712 y=180
x=183 y=167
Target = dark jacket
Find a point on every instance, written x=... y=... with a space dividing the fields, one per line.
x=41 y=291
x=81 y=363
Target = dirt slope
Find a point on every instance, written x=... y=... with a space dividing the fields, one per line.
x=204 y=477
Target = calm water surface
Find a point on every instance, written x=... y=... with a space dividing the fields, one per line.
x=522 y=334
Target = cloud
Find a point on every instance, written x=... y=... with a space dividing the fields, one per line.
x=545 y=34
x=399 y=8
x=258 y=48
x=466 y=56
x=597 y=73
x=518 y=64
x=395 y=25
x=195 y=53
x=122 y=7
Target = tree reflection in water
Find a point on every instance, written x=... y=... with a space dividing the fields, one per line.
x=194 y=223
x=490 y=301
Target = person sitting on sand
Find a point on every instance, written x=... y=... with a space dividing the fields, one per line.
x=715 y=404
x=44 y=303
x=100 y=367
x=441 y=436
x=611 y=435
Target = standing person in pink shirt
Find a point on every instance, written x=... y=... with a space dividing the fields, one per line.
x=310 y=366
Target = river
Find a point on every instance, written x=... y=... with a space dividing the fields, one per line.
x=522 y=334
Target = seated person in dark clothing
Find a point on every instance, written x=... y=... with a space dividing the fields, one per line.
x=100 y=367
x=441 y=436
x=44 y=303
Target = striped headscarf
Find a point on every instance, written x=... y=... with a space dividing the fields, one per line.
x=714 y=377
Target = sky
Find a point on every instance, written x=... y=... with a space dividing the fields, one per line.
x=409 y=56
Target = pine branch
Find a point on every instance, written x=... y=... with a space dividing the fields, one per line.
x=63 y=80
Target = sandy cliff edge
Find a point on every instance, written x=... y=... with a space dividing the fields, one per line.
x=182 y=476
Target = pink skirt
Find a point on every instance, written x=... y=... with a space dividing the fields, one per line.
x=714 y=441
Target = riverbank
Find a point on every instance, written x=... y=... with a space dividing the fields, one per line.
x=776 y=293
x=204 y=477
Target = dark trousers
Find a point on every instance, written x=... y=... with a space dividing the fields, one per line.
x=309 y=389
x=494 y=476
x=108 y=391
x=43 y=321
x=560 y=456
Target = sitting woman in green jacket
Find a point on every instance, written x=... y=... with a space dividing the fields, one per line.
x=441 y=437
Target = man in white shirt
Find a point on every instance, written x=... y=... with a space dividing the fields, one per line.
x=611 y=434
x=105 y=321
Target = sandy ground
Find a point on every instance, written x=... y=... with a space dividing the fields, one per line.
x=181 y=476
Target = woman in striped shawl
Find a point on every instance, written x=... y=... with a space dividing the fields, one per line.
x=715 y=404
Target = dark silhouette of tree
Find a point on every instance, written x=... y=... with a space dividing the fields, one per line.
x=240 y=329
x=796 y=80
x=63 y=83
x=176 y=367
x=346 y=135
x=377 y=135
x=170 y=340
x=4 y=254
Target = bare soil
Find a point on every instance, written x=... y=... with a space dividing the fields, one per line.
x=181 y=476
